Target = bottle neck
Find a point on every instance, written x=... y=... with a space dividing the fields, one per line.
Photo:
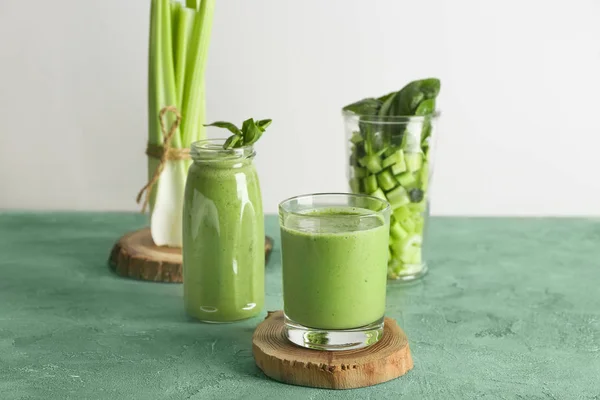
x=210 y=152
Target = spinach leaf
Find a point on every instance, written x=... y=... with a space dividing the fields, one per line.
x=415 y=98
x=430 y=87
x=385 y=97
x=406 y=101
x=231 y=141
x=364 y=107
x=249 y=134
x=227 y=125
x=246 y=124
x=427 y=107
x=252 y=132
x=263 y=123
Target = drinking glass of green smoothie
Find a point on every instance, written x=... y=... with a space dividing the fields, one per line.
x=223 y=234
x=334 y=254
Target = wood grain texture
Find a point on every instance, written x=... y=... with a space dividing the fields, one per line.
x=136 y=256
x=283 y=361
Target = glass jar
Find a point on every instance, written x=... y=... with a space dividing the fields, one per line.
x=223 y=234
x=334 y=261
x=392 y=158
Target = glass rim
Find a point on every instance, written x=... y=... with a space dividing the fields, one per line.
x=386 y=205
x=387 y=119
x=213 y=148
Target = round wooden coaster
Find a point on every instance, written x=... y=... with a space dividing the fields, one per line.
x=136 y=256
x=283 y=361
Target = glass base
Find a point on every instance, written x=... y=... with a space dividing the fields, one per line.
x=209 y=318
x=333 y=340
x=411 y=274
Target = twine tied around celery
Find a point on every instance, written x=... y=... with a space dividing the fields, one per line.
x=162 y=152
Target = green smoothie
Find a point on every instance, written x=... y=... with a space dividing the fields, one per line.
x=334 y=267
x=223 y=240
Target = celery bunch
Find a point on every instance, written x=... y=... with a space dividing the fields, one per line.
x=390 y=160
x=178 y=49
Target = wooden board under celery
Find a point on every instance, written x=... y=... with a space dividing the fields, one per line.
x=178 y=49
x=390 y=157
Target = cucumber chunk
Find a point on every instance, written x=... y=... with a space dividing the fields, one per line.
x=397 y=157
x=388 y=161
x=399 y=167
x=372 y=162
x=417 y=208
x=402 y=213
x=397 y=232
x=408 y=224
x=407 y=179
x=386 y=180
x=370 y=183
x=398 y=197
x=359 y=172
x=379 y=193
x=414 y=161
x=389 y=151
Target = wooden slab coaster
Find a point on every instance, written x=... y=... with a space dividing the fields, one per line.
x=283 y=361
x=136 y=256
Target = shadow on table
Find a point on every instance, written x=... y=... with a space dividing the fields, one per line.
x=231 y=343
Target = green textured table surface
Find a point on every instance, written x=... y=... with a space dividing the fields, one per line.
x=510 y=310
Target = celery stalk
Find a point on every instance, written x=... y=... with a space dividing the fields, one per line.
x=175 y=9
x=193 y=95
x=193 y=4
x=154 y=83
x=161 y=82
x=154 y=136
x=185 y=23
x=177 y=34
x=159 y=91
x=166 y=63
x=166 y=201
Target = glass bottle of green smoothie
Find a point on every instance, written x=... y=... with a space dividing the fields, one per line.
x=223 y=234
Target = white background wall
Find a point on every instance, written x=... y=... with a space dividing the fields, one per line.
x=519 y=136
